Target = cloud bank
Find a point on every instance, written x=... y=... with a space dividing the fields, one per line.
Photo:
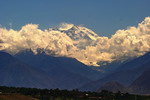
x=78 y=42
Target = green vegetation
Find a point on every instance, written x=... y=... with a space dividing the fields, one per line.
x=13 y=93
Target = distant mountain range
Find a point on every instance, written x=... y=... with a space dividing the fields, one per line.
x=67 y=72
x=142 y=84
x=70 y=56
x=47 y=63
x=16 y=73
x=134 y=75
x=43 y=71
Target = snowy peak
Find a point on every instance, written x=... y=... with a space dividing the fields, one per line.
x=65 y=26
x=77 y=32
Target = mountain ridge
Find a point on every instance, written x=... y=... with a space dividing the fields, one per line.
x=125 y=74
x=16 y=73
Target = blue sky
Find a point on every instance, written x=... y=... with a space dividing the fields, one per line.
x=104 y=17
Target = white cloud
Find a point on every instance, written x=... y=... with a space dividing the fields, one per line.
x=65 y=26
x=80 y=43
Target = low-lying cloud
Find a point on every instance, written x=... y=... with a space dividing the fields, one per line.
x=78 y=42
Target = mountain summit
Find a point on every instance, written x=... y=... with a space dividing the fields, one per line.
x=77 y=32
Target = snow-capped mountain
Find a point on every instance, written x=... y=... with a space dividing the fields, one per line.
x=77 y=32
x=81 y=36
x=79 y=42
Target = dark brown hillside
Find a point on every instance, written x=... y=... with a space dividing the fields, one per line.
x=15 y=97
